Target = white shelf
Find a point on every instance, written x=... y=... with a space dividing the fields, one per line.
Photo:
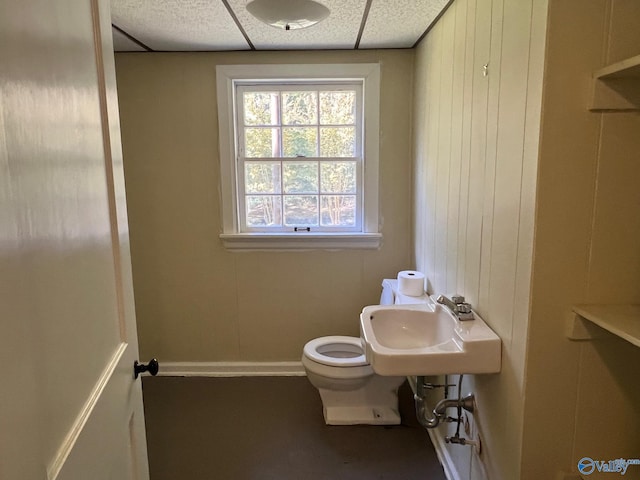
x=620 y=320
x=627 y=68
x=617 y=86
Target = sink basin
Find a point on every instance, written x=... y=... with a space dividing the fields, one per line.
x=427 y=339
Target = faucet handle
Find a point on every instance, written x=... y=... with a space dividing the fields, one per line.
x=457 y=299
x=463 y=308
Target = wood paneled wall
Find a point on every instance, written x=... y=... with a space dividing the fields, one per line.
x=489 y=150
x=476 y=125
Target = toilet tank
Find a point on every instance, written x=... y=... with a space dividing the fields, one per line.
x=390 y=294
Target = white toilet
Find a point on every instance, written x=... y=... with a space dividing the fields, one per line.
x=351 y=392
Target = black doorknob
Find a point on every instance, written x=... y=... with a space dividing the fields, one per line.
x=152 y=367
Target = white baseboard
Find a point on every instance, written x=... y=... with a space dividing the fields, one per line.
x=231 y=369
x=449 y=467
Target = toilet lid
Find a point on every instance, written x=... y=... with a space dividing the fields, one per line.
x=336 y=351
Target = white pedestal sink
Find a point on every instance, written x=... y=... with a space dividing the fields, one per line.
x=427 y=339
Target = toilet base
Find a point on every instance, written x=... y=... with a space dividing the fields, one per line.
x=361 y=415
x=374 y=403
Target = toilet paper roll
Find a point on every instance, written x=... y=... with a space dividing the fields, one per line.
x=411 y=283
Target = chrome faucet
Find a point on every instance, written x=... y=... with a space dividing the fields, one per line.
x=457 y=305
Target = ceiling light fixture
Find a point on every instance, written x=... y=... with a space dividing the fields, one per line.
x=288 y=14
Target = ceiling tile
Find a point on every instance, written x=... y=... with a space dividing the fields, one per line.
x=121 y=43
x=338 y=31
x=398 y=23
x=179 y=25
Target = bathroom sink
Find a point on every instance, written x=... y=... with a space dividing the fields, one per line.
x=427 y=339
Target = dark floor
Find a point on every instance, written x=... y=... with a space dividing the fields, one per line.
x=271 y=428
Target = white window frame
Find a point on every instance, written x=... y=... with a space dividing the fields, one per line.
x=228 y=77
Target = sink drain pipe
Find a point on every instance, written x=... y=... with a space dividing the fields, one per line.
x=421 y=405
x=439 y=413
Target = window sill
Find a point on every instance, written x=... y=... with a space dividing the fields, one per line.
x=300 y=241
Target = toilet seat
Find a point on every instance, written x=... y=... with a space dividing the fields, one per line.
x=336 y=351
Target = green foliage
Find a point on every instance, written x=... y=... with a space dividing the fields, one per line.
x=262 y=177
x=338 y=108
x=300 y=177
x=299 y=141
x=338 y=177
x=337 y=141
x=299 y=108
x=261 y=108
x=261 y=142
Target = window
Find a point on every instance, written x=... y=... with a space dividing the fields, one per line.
x=299 y=159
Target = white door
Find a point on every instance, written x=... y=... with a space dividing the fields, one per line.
x=69 y=406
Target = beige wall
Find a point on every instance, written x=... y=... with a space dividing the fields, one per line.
x=475 y=149
x=195 y=301
x=584 y=395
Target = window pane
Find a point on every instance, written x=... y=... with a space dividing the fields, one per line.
x=338 y=210
x=338 y=108
x=263 y=210
x=299 y=108
x=301 y=210
x=262 y=177
x=300 y=177
x=299 y=141
x=337 y=141
x=261 y=142
x=338 y=177
x=261 y=108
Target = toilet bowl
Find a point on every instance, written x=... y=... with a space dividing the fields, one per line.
x=350 y=391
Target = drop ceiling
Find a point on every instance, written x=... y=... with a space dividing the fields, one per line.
x=221 y=25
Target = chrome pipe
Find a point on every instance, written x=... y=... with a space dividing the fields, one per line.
x=467 y=402
x=421 y=406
